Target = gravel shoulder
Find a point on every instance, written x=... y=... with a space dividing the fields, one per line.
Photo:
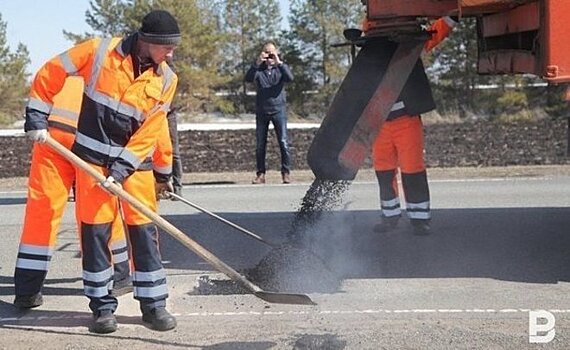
x=306 y=176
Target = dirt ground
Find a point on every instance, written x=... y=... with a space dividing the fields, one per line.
x=470 y=144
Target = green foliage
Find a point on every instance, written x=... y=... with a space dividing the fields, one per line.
x=13 y=79
x=196 y=60
x=551 y=99
x=315 y=26
x=453 y=69
x=513 y=104
x=300 y=92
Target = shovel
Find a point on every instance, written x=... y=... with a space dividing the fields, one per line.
x=271 y=297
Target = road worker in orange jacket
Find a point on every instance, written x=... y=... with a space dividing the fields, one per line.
x=51 y=177
x=128 y=90
x=400 y=145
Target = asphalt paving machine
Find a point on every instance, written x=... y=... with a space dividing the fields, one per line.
x=514 y=37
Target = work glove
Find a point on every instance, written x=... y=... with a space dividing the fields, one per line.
x=163 y=189
x=39 y=135
x=107 y=184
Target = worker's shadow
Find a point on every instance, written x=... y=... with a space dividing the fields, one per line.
x=52 y=286
x=43 y=322
x=510 y=244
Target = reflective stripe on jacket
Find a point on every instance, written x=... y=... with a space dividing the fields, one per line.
x=121 y=117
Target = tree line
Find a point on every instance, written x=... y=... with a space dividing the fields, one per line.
x=221 y=38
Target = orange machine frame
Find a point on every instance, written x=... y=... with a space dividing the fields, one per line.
x=515 y=36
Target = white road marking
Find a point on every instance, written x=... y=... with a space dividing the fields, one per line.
x=319 y=312
x=370 y=311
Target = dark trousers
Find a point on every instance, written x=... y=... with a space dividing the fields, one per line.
x=176 y=161
x=279 y=120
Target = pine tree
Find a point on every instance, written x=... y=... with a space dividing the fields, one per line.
x=13 y=78
x=196 y=59
x=317 y=24
x=453 y=70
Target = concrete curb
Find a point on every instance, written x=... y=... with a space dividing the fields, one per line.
x=364 y=175
x=193 y=126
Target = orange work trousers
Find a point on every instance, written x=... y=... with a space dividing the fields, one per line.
x=97 y=210
x=50 y=180
x=400 y=145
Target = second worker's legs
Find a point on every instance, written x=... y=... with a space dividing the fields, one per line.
x=410 y=144
x=149 y=277
x=385 y=161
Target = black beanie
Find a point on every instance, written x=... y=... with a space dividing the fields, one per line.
x=160 y=27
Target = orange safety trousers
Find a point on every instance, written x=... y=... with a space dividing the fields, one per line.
x=50 y=180
x=400 y=145
x=97 y=211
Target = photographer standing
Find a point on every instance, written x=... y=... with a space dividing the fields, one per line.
x=269 y=74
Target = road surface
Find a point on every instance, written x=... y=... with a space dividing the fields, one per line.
x=500 y=248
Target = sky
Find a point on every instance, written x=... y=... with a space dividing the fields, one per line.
x=39 y=25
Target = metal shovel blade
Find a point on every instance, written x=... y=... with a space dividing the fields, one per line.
x=284 y=298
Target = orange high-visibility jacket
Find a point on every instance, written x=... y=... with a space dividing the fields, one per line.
x=65 y=113
x=121 y=117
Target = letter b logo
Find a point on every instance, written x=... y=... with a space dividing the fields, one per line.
x=545 y=327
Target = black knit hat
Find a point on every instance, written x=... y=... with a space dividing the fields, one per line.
x=160 y=27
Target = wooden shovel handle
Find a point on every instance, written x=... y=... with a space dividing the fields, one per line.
x=157 y=219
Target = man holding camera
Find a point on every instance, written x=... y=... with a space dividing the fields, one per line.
x=269 y=74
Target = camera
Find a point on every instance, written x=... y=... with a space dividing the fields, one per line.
x=271 y=56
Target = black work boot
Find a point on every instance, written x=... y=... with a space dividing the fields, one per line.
x=28 y=301
x=420 y=227
x=387 y=224
x=160 y=319
x=103 y=322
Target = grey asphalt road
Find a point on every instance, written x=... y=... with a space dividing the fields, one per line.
x=500 y=248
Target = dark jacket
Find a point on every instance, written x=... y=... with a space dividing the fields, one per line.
x=269 y=82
